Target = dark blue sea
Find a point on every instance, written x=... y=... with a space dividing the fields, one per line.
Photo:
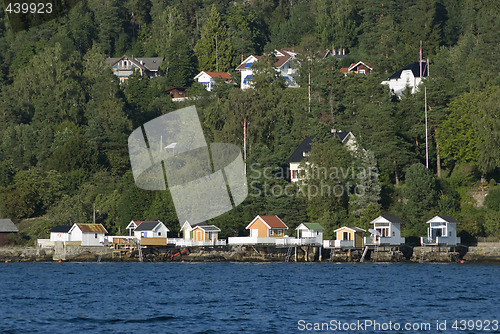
x=249 y=298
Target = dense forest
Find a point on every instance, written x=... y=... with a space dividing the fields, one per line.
x=65 y=119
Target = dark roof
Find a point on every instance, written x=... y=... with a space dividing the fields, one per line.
x=449 y=219
x=147 y=226
x=7 y=226
x=60 y=229
x=305 y=146
x=414 y=67
x=393 y=219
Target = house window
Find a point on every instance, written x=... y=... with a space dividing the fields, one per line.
x=393 y=234
x=345 y=236
x=159 y=233
x=280 y=232
x=95 y=236
x=450 y=233
x=271 y=232
x=362 y=71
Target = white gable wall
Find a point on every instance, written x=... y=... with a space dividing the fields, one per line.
x=59 y=236
x=92 y=239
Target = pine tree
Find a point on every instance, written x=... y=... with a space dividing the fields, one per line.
x=213 y=49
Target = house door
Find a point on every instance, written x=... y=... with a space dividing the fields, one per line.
x=254 y=232
x=199 y=235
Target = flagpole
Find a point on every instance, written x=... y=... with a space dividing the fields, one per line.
x=245 y=144
x=426 y=132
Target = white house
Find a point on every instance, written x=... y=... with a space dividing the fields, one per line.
x=409 y=76
x=60 y=233
x=125 y=66
x=88 y=234
x=442 y=230
x=312 y=231
x=283 y=65
x=302 y=151
x=151 y=229
x=388 y=232
x=207 y=79
x=134 y=223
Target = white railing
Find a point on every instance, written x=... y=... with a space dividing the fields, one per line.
x=344 y=243
x=45 y=243
x=252 y=240
x=296 y=241
x=383 y=240
x=191 y=243
x=449 y=241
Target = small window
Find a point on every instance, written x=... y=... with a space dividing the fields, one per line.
x=280 y=232
x=450 y=233
x=159 y=233
x=271 y=232
x=393 y=234
x=95 y=235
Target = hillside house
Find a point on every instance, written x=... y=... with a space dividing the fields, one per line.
x=178 y=94
x=207 y=79
x=125 y=66
x=302 y=151
x=283 y=65
x=409 y=76
x=357 y=68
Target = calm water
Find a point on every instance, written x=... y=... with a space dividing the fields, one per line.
x=242 y=298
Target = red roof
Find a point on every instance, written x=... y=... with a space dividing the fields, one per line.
x=273 y=221
x=222 y=75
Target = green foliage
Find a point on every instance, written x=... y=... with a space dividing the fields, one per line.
x=492 y=200
x=214 y=49
x=420 y=192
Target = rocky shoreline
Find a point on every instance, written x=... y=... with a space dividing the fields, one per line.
x=481 y=253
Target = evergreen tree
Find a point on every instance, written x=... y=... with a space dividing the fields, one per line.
x=213 y=49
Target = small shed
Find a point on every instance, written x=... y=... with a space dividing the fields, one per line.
x=88 y=234
x=388 y=231
x=7 y=227
x=349 y=237
x=442 y=230
x=60 y=233
x=310 y=230
x=267 y=226
x=205 y=233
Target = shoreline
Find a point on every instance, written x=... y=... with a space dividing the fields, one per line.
x=483 y=253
